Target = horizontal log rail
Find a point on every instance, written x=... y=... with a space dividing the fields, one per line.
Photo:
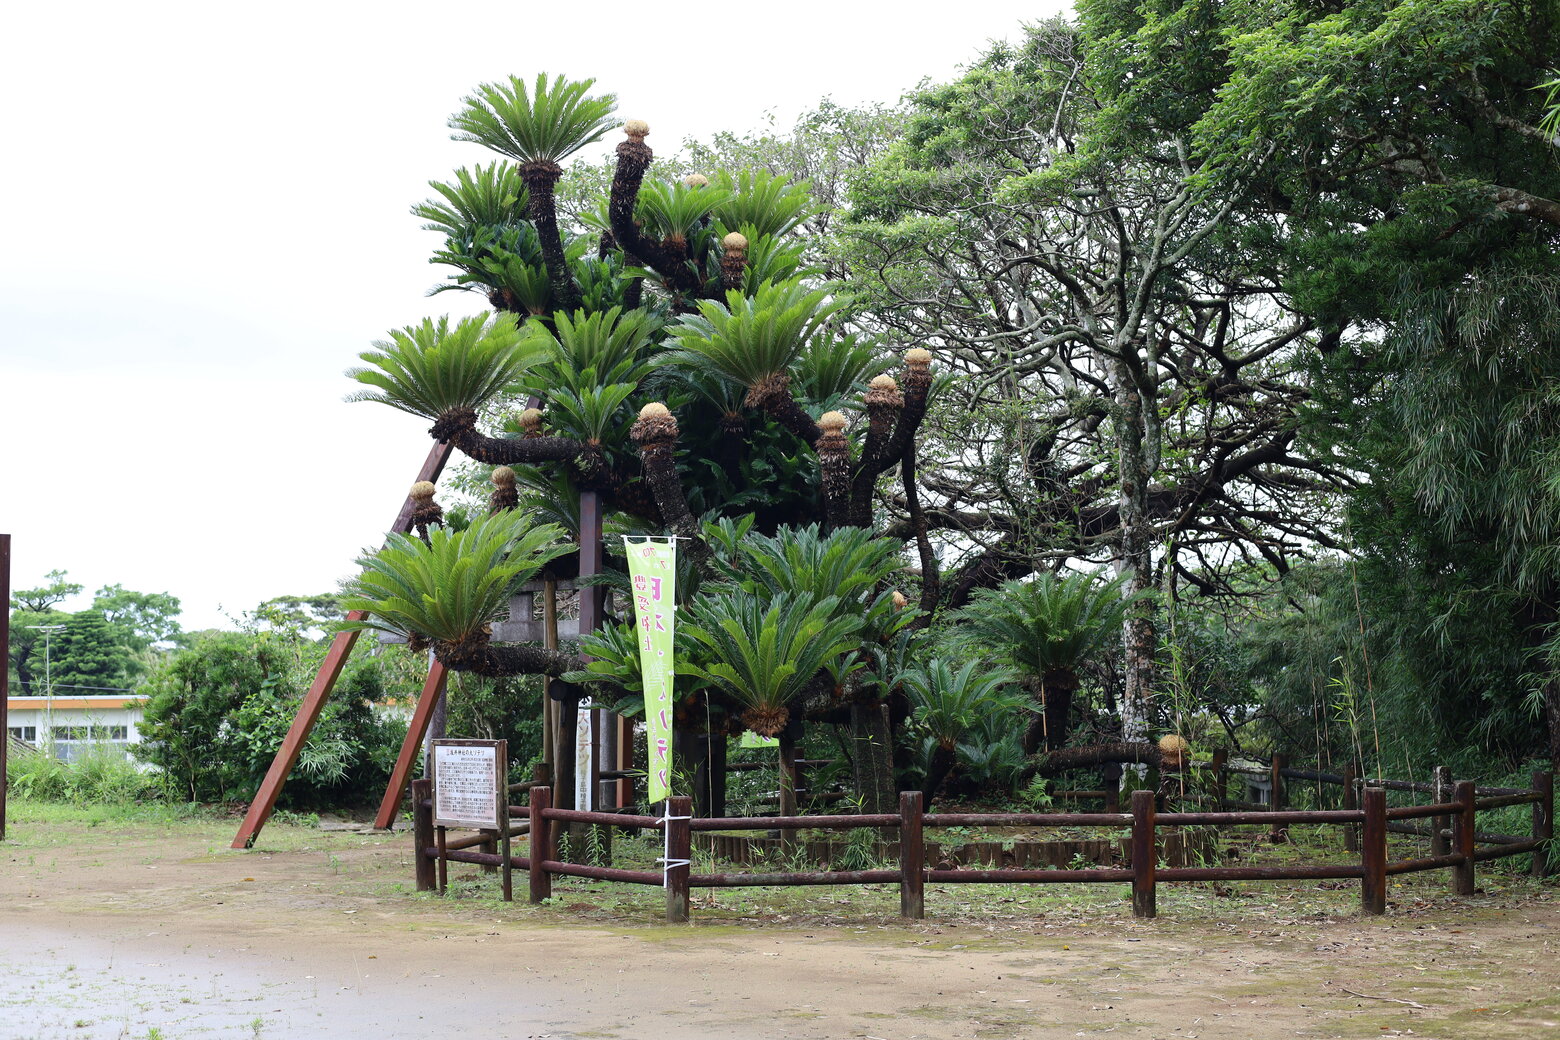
x=1454 y=836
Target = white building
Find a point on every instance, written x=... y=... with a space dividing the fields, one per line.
x=76 y=723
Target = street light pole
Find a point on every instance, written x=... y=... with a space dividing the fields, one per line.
x=48 y=686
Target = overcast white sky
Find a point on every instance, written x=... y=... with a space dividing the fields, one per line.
x=207 y=221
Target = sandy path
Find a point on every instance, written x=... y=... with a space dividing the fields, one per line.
x=125 y=932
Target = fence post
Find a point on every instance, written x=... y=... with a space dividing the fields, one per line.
x=1218 y=782
x=1144 y=854
x=1463 y=826
x=1110 y=775
x=1442 y=783
x=679 y=846
x=1279 y=801
x=540 y=882
x=422 y=833
x=1543 y=819
x=912 y=857
x=1373 y=855
x=1351 y=800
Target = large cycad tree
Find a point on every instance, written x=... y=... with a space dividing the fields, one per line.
x=685 y=369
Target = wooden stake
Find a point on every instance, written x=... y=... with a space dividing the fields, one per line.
x=1543 y=819
x=679 y=846
x=1373 y=855
x=912 y=857
x=1144 y=855
x=1463 y=828
x=541 y=844
x=422 y=834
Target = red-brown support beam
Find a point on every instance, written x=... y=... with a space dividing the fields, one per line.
x=319 y=691
x=427 y=700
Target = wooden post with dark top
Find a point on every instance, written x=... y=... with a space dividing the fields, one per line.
x=1278 y=798
x=1543 y=819
x=788 y=772
x=1373 y=854
x=540 y=882
x=422 y=834
x=1351 y=800
x=1218 y=783
x=679 y=846
x=912 y=857
x=1441 y=782
x=1463 y=826
x=1144 y=855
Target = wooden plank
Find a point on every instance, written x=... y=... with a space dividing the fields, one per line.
x=427 y=701
x=264 y=802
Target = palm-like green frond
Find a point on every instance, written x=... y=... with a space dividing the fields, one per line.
x=545 y=124
x=833 y=371
x=447 y=589
x=772 y=259
x=845 y=564
x=482 y=197
x=750 y=338
x=763 y=203
x=677 y=210
x=592 y=413
x=1051 y=623
x=764 y=652
x=430 y=369
x=945 y=704
x=611 y=343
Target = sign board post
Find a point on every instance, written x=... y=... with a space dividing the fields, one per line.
x=471 y=789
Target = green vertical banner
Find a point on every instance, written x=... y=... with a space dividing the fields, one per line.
x=652 y=569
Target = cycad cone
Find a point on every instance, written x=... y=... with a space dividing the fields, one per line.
x=1173 y=750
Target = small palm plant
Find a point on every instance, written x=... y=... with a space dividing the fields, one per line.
x=447 y=591
x=482 y=197
x=764 y=653
x=433 y=370
x=947 y=704
x=1046 y=629
x=753 y=341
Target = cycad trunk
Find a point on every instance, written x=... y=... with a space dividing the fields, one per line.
x=872 y=746
x=936 y=772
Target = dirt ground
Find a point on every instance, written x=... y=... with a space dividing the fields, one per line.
x=157 y=931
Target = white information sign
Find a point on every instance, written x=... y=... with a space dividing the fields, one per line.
x=466 y=779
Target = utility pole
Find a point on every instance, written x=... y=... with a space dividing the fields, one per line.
x=48 y=685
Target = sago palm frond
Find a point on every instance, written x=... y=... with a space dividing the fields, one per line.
x=771 y=259
x=447 y=589
x=750 y=339
x=803 y=561
x=590 y=413
x=481 y=197
x=675 y=210
x=946 y=704
x=764 y=652
x=542 y=125
x=761 y=203
x=431 y=368
x=612 y=343
x=832 y=371
x=1050 y=624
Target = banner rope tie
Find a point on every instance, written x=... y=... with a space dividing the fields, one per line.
x=666 y=861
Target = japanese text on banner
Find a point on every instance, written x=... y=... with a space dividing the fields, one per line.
x=652 y=570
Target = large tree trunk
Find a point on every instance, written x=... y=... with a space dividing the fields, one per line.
x=1137 y=440
x=872 y=758
x=942 y=763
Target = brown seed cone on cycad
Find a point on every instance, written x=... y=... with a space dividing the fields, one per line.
x=425 y=511
x=1175 y=751
x=834 y=464
x=733 y=262
x=766 y=720
x=504 y=496
x=655 y=431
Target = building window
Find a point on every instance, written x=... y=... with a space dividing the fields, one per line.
x=27 y=733
x=91 y=732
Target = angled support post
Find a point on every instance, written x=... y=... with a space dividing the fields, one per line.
x=427 y=701
x=5 y=678
x=264 y=802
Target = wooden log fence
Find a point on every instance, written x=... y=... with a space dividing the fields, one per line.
x=1372 y=816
